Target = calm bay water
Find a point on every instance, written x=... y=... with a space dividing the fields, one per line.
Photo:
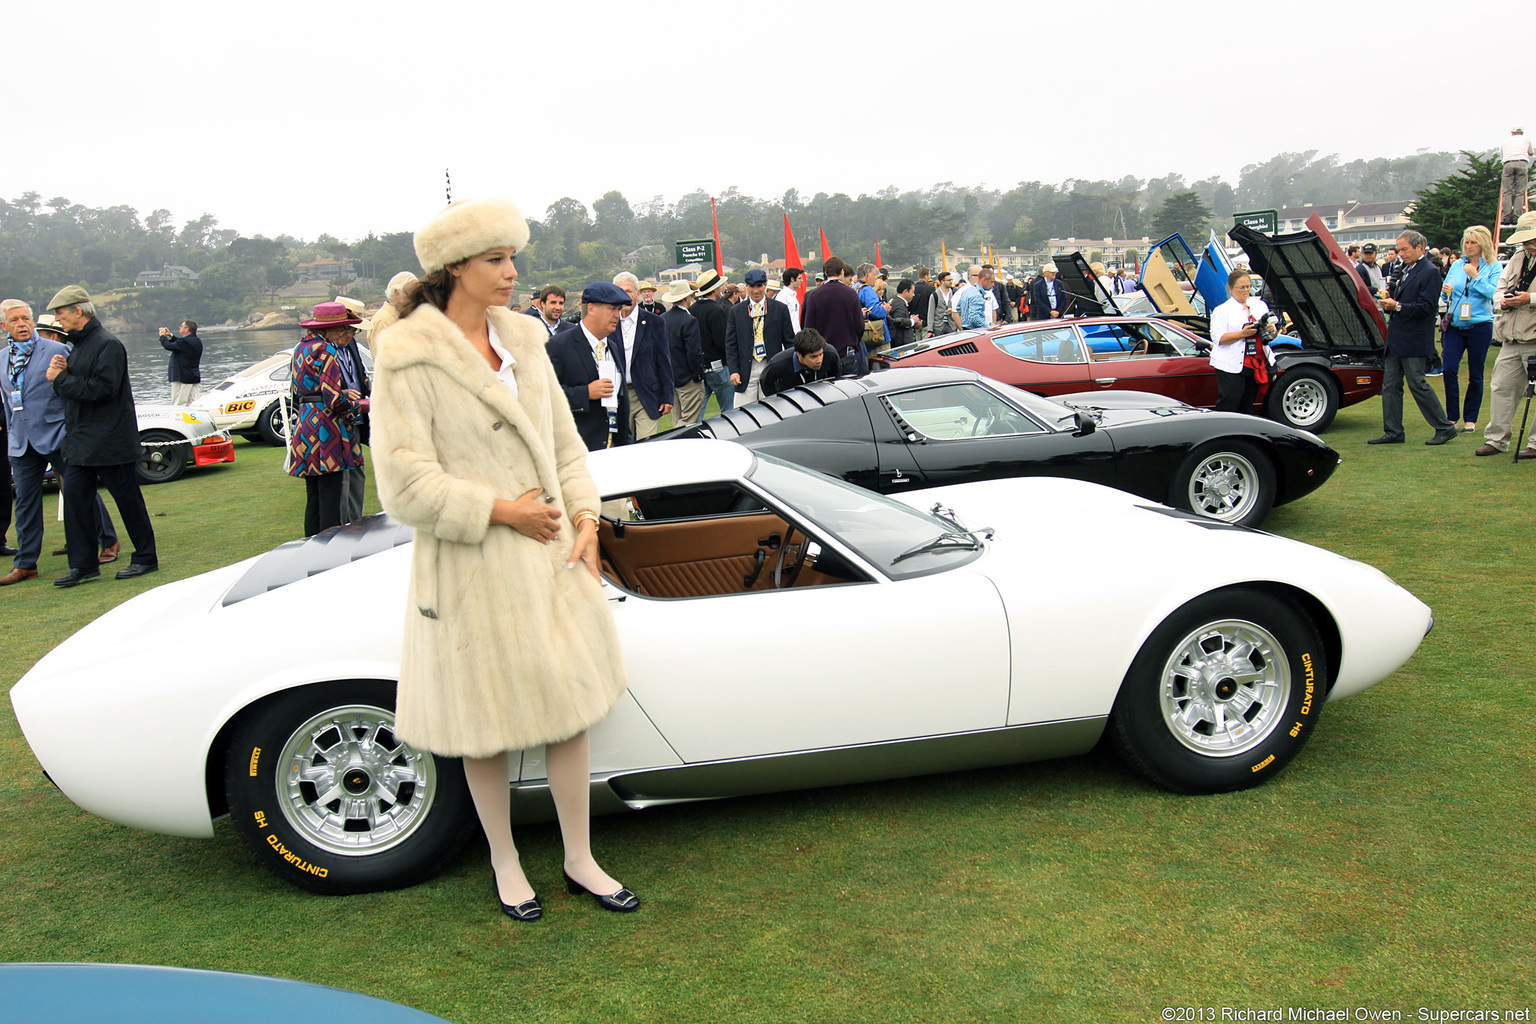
x=224 y=354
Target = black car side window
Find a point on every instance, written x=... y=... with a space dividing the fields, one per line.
x=955 y=411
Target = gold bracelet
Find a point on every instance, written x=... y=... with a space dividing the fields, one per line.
x=584 y=514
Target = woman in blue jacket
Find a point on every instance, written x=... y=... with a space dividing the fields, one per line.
x=1469 y=284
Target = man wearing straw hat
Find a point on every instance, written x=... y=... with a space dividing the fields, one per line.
x=1516 y=331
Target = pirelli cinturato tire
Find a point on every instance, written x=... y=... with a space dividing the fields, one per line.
x=1223 y=694
x=329 y=799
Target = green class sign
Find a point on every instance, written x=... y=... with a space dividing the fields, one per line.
x=696 y=250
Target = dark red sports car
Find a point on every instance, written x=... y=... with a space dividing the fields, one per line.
x=1338 y=365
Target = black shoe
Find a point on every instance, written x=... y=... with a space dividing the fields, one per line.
x=136 y=570
x=528 y=910
x=75 y=577
x=7 y=551
x=622 y=901
x=1441 y=438
x=1385 y=440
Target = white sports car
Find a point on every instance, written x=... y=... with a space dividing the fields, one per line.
x=744 y=589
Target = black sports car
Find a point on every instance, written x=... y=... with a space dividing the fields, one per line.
x=926 y=426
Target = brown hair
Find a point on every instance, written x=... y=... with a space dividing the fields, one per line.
x=432 y=290
x=1236 y=276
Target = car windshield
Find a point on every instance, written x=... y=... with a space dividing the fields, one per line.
x=880 y=529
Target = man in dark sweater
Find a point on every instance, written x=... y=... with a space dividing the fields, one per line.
x=186 y=358
x=833 y=310
x=1414 y=303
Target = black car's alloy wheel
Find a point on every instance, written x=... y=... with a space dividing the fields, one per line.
x=329 y=799
x=1223 y=694
x=1229 y=481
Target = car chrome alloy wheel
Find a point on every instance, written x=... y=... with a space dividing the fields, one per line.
x=1225 y=486
x=1305 y=401
x=351 y=787
x=1224 y=688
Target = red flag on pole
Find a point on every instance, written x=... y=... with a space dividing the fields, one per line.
x=825 y=252
x=877 y=252
x=719 y=266
x=792 y=259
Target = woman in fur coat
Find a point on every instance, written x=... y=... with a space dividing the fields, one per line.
x=508 y=640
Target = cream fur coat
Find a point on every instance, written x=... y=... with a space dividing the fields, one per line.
x=504 y=647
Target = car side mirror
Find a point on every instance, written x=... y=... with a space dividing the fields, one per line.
x=1085 y=424
x=1203 y=347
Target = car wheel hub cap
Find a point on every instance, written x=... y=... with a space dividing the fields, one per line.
x=1224 y=487
x=1304 y=401
x=1223 y=689
x=351 y=787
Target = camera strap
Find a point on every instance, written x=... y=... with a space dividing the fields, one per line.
x=1527 y=272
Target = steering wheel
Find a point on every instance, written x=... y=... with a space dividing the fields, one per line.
x=783 y=568
x=1138 y=349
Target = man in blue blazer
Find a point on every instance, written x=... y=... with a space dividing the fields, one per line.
x=745 y=357
x=589 y=362
x=648 y=388
x=1415 y=306
x=34 y=434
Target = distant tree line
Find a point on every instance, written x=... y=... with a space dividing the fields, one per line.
x=45 y=245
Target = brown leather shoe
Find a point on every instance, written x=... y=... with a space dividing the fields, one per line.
x=109 y=554
x=17 y=575
x=1487 y=449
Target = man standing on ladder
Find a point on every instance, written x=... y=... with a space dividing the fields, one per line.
x=1517 y=175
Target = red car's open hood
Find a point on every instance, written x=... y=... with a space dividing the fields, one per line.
x=1316 y=285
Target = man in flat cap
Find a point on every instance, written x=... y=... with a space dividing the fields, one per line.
x=589 y=362
x=101 y=440
x=756 y=330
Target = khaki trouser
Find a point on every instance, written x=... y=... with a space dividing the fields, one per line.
x=1506 y=386
x=184 y=394
x=689 y=403
x=754 y=391
x=641 y=426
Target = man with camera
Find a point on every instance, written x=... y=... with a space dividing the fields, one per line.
x=186 y=359
x=1516 y=331
x=1414 y=301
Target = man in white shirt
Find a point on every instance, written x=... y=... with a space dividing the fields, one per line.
x=1517 y=173
x=789 y=294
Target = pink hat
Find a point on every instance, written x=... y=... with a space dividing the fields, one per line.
x=330 y=314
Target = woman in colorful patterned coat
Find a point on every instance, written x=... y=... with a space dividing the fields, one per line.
x=325 y=441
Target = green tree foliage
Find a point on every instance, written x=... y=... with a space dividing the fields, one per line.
x=1187 y=215
x=1444 y=209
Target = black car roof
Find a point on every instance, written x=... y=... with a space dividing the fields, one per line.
x=818 y=395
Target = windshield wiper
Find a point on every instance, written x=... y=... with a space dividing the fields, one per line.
x=943 y=540
x=948 y=515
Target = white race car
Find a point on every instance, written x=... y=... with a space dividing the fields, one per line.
x=248 y=404
x=747 y=593
x=176 y=436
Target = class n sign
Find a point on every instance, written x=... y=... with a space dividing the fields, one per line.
x=696 y=250
x=1263 y=221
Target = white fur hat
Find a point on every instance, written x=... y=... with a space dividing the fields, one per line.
x=467 y=228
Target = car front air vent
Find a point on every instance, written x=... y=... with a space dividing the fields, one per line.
x=300 y=559
x=965 y=348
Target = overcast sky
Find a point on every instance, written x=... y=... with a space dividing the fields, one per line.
x=300 y=118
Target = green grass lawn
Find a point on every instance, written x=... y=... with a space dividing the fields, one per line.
x=1389 y=867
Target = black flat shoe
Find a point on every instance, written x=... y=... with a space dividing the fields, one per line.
x=622 y=901
x=136 y=570
x=1385 y=440
x=528 y=910
x=1443 y=438
x=75 y=577
x=7 y=551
